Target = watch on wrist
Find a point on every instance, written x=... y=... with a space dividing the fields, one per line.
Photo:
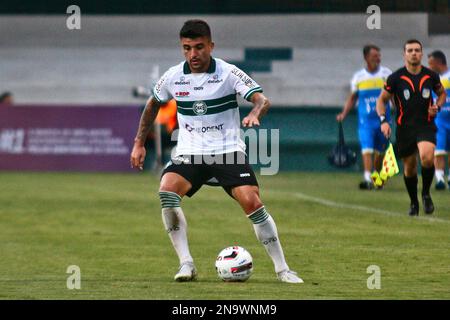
x=383 y=119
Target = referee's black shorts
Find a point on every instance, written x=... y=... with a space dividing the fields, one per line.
x=227 y=170
x=408 y=137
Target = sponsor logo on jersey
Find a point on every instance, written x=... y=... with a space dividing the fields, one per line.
x=160 y=84
x=182 y=81
x=215 y=79
x=406 y=94
x=182 y=94
x=243 y=175
x=426 y=93
x=198 y=88
x=244 y=78
x=199 y=107
x=204 y=129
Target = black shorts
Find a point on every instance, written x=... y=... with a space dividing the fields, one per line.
x=407 y=139
x=226 y=170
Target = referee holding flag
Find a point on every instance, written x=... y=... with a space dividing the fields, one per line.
x=410 y=88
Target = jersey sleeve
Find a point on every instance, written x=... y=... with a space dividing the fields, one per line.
x=243 y=84
x=390 y=84
x=161 y=90
x=354 y=84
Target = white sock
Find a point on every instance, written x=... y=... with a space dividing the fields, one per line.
x=176 y=225
x=267 y=234
x=367 y=177
x=439 y=175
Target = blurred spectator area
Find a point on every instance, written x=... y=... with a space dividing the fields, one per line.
x=299 y=59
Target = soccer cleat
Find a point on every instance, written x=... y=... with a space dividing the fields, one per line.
x=428 y=205
x=289 y=276
x=440 y=185
x=187 y=272
x=413 y=210
x=366 y=185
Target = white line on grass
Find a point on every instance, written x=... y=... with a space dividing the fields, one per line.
x=334 y=204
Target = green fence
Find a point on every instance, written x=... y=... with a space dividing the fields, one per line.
x=308 y=134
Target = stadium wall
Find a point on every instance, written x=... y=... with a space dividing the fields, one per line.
x=100 y=138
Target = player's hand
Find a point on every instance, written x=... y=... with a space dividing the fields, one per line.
x=250 y=121
x=433 y=110
x=137 y=157
x=340 y=117
x=386 y=129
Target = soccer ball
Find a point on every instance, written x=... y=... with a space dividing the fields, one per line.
x=234 y=264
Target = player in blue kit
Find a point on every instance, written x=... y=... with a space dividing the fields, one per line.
x=438 y=63
x=366 y=86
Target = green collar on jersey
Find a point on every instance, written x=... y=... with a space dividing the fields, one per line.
x=211 y=68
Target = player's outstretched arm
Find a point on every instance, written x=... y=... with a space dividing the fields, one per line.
x=381 y=111
x=260 y=106
x=349 y=103
x=148 y=116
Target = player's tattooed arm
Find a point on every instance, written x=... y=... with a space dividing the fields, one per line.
x=260 y=106
x=137 y=156
x=145 y=124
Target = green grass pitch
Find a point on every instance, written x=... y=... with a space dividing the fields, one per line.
x=110 y=226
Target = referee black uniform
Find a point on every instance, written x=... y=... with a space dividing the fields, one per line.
x=412 y=95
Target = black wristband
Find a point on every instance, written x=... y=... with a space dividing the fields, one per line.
x=439 y=108
x=383 y=119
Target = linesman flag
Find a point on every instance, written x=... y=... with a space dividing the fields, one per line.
x=388 y=169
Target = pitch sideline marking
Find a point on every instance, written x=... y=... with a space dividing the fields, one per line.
x=334 y=204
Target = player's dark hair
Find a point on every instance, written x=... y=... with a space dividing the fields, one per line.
x=369 y=47
x=194 y=29
x=438 y=55
x=412 y=41
x=5 y=95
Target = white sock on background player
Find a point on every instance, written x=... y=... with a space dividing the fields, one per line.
x=367 y=177
x=267 y=234
x=175 y=224
x=439 y=175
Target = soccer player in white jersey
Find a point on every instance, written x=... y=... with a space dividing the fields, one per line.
x=209 y=143
x=366 y=86
x=438 y=63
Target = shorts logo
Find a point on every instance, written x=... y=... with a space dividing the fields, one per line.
x=242 y=175
x=199 y=108
x=426 y=93
x=406 y=94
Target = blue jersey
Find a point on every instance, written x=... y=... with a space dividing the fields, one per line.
x=443 y=117
x=368 y=87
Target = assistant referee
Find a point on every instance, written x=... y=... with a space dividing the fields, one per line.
x=410 y=88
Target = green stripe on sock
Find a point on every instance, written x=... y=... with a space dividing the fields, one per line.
x=259 y=216
x=169 y=199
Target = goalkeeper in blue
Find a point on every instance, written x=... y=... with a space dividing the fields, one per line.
x=366 y=86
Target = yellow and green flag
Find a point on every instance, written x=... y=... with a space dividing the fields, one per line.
x=389 y=168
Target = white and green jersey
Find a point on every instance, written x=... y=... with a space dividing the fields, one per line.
x=207 y=108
